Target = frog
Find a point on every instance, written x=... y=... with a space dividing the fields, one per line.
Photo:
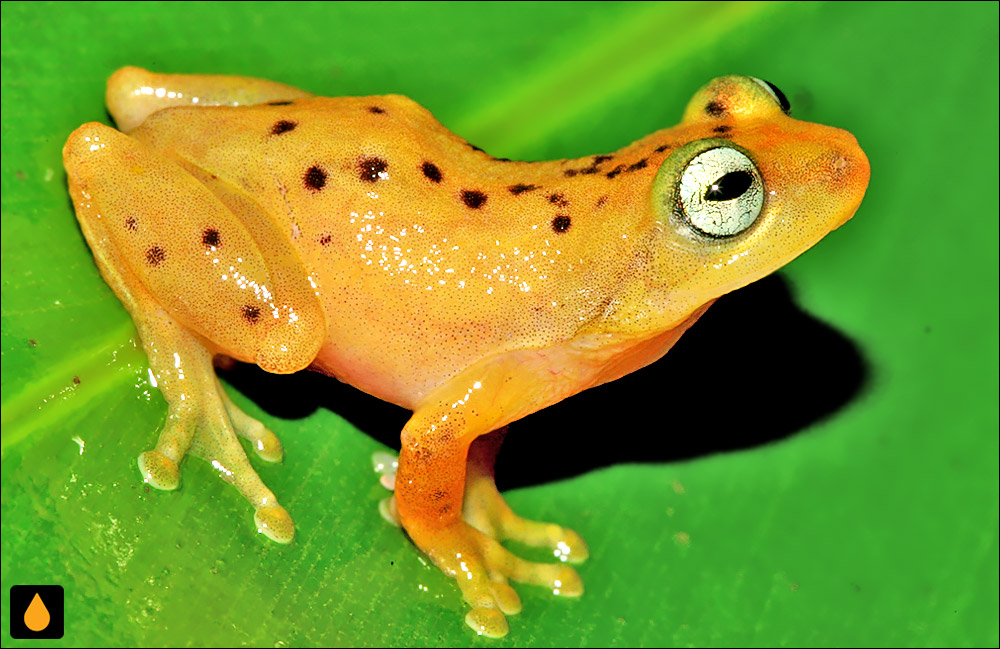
x=244 y=219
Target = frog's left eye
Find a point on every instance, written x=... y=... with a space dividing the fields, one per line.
x=721 y=192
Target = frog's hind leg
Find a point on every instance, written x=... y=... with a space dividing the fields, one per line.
x=134 y=94
x=164 y=244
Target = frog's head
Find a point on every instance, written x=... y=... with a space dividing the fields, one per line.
x=746 y=190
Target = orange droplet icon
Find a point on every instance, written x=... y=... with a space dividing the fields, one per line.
x=36 y=617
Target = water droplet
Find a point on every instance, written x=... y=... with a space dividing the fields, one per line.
x=36 y=617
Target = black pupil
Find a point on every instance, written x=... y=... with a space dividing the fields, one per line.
x=730 y=186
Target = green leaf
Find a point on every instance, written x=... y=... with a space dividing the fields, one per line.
x=877 y=526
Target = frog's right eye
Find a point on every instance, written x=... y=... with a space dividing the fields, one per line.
x=720 y=192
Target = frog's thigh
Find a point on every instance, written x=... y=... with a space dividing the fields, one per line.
x=134 y=94
x=201 y=417
x=429 y=493
x=485 y=509
x=199 y=260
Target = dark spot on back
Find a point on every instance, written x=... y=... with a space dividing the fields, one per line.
x=210 y=237
x=431 y=171
x=561 y=223
x=251 y=313
x=558 y=199
x=642 y=164
x=715 y=108
x=662 y=148
x=131 y=223
x=601 y=201
x=473 y=198
x=569 y=173
x=325 y=240
x=520 y=188
x=315 y=178
x=279 y=103
x=598 y=159
x=378 y=110
x=614 y=172
x=370 y=168
x=283 y=126
x=722 y=129
x=155 y=256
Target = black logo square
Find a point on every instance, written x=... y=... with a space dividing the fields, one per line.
x=36 y=612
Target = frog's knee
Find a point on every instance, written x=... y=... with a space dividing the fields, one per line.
x=291 y=345
x=134 y=94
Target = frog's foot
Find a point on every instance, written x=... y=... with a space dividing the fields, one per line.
x=211 y=431
x=485 y=509
x=482 y=567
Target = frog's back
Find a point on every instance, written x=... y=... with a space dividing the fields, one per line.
x=409 y=232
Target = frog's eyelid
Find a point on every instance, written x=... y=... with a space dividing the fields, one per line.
x=775 y=92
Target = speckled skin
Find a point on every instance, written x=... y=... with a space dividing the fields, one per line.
x=359 y=237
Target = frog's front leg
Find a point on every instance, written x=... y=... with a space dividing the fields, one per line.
x=431 y=481
x=195 y=283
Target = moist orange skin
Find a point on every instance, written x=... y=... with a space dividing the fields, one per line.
x=359 y=237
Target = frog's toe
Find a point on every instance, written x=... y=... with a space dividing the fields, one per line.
x=274 y=522
x=159 y=471
x=487 y=621
x=506 y=597
x=559 y=578
x=387 y=510
x=265 y=444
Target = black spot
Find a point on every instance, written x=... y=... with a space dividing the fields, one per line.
x=642 y=164
x=210 y=237
x=614 y=172
x=279 y=103
x=598 y=159
x=715 y=108
x=601 y=201
x=155 y=256
x=662 y=148
x=131 y=223
x=730 y=186
x=251 y=313
x=370 y=168
x=558 y=199
x=569 y=173
x=474 y=147
x=473 y=198
x=431 y=171
x=325 y=240
x=378 y=110
x=722 y=129
x=315 y=178
x=520 y=188
x=283 y=126
x=589 y=171
x=561 y=223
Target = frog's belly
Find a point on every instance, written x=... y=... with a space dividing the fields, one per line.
x=400 y=350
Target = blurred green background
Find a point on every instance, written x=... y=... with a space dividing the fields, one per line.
x=874 y=526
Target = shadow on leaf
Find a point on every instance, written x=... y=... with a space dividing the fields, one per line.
x=754 y=369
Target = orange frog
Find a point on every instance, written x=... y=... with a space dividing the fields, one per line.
x=358 y=237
